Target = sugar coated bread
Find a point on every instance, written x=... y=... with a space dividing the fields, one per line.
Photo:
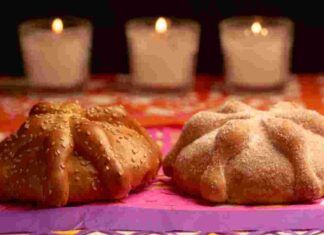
x=241 y=155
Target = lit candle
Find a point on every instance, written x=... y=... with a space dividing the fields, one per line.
x=162 y=55
x=257 y=56
x=56 y=57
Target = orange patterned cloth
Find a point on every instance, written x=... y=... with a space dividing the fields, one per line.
x=164 y=110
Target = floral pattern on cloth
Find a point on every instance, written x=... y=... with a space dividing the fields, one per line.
x=162 y=109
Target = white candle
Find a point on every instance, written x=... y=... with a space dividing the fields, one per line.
x=256 y=55
x=162 y=55
x=56 y=57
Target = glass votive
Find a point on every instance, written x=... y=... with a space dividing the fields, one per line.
x=56 y=53
x=162 y=53
x=257 y=52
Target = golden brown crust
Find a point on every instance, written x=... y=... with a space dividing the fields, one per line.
x=237 y=154
x=65 y=154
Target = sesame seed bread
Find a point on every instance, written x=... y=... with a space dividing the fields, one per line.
x=241 y=155
x=66 y=154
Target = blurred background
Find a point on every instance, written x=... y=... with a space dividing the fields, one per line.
x=109 y=17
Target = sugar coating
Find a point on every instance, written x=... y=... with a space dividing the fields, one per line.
x=237 y=154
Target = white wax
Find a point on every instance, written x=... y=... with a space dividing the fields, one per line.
x=255 y=60
x=57 y=60
x=164 y=60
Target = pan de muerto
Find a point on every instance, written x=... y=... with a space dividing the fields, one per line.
x=66 y=154
x=241 y=155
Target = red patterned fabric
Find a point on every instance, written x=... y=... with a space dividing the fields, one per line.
x=164 y=110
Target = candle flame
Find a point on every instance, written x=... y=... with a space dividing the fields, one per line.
x=256 y=28
x=161 y=25
x=57 y=26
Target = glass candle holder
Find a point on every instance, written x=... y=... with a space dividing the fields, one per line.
x=257 y=52
x=162 y=53
x=56 y=53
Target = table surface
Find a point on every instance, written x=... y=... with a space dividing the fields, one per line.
x=164 y=115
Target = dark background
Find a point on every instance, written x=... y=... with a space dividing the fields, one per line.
x=109 y=17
